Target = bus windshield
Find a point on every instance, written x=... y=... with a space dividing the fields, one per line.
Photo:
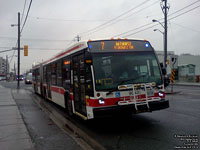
x=113 y=69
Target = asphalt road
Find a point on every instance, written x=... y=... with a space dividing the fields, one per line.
x=177 y=127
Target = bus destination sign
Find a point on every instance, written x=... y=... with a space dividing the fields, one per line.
x=119 y=45
x=123 y=45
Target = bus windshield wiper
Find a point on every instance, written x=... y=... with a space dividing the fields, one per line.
x=120 y=82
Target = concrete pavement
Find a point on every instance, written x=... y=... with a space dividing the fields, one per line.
x=187 y=83
x=13 y=132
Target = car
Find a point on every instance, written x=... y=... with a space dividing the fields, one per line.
x=2 y=78
x=28 y=78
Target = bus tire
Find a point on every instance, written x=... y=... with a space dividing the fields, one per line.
x=68 y=104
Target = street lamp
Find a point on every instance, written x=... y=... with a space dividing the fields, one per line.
x=18 y=64
x=164 y=40
x=159 y=31
x=154 y=20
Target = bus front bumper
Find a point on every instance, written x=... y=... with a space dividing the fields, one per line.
x=129 y=109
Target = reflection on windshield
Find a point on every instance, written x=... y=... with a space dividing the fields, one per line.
x=111 y=69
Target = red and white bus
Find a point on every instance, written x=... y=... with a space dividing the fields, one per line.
x=104 y=77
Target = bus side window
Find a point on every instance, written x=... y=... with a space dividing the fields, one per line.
x=59 y=73
x=66 y=74
x=53 y=74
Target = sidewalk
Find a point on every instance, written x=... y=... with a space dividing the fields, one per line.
x=187 y=83
x=13 y=132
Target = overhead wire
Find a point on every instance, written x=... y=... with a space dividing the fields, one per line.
x=23 y=24
x=185 y=27
x=113 y=19
x=26 y=17
x=168 y=20
x=23 y=11
x=124 y=33
x=5 y=50
x=123 y=18
x=36 y=39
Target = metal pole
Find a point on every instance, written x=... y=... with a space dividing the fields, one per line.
x=18 y=71
x=165 y=44
x=6 y=67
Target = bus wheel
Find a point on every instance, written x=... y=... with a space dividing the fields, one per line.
x=68 y=105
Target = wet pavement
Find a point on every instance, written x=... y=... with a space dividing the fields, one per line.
x=13 y=132
x=24 y=126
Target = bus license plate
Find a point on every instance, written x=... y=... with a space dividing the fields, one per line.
x=150 y=92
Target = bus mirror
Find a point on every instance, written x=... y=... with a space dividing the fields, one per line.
x=161 y=65
x=88 y=58
x=164 y=71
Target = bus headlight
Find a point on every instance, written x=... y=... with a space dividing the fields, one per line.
x=101 y=101
x=161 y=94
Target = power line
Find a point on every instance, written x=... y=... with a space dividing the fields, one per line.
x=185 y=27
x=123 y=18
x=158 y=20
x=75 y=20
x=26 y=16
x=168 y=20
x=23 y=24
x=6 y=50
x=23 y=11
x=184 y=12
x=36 y=48
x=115 y=18
x=36 y=39
x=184 y=7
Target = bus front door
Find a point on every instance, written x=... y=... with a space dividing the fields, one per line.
x=79 y=84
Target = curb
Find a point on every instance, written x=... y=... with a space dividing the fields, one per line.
x=182 y=84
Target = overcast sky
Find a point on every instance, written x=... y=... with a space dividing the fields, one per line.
x=52 y=24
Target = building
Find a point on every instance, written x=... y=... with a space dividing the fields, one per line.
x=187 y=72
x=4 y=67
x=190 y=59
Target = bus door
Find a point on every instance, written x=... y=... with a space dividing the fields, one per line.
x=79 y=84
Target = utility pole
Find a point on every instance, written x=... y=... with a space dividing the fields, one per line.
x=6 y=67
x=18 y=71
x=78 y=38
x=14 y=72
x=165 y=9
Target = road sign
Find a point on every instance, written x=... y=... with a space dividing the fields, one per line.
x=172 y=76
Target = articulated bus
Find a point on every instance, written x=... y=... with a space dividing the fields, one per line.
x=103 y=78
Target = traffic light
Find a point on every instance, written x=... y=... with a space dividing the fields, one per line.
x=25 y=50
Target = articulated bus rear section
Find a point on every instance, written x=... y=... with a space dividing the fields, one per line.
x=102 y=78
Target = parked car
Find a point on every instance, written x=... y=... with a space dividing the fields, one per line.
x=28 y=78
x=2 y=78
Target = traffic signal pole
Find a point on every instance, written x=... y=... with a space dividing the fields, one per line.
x=18 y=64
